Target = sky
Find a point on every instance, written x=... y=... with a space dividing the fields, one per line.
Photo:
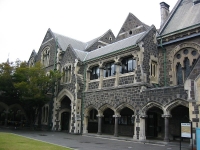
x=24 y=23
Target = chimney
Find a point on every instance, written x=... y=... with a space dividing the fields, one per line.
x=164 y=9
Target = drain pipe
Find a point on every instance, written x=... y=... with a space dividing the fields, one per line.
x=164 y=65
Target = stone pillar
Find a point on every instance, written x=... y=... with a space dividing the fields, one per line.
x=166 y=138
x=117 y=73
x=101 y=77
x=142 y=135
x=85 y=129
x=99 y=125
x=116 y=125
x=6 y=118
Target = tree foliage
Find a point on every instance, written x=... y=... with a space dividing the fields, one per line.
x=32 y=86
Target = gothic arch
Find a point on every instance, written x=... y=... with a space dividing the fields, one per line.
x=124 y=105
x=175 y=103
x=17 y=106
x=105 y=106
x=64 y=93
x=150 y=105
x=87 y=110
x=173 y=61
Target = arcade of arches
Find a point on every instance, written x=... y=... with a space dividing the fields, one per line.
x=155 y=121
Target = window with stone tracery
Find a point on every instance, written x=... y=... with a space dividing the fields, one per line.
x=45 y=56
x=184 y=61
x=67 y=71
x=31 y=62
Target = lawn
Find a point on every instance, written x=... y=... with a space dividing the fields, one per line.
x=10 y=141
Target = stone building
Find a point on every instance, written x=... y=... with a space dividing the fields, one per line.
x=141 y=83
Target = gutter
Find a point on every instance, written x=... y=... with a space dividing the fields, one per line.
x=180 y=30
x=123 y=49
x=180 y=39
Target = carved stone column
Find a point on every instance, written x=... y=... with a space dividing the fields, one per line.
x=166 y=138
x=142 y=135
x=116 y=125
x=99 y=124
x=117 y=73
x=101 y=69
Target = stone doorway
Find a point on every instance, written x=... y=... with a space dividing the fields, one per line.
x=65 y=117
x=108 y=122
x=93 y=121
x=126 y=122
x=154 y=124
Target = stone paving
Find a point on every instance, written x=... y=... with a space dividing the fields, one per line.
x=93 y=142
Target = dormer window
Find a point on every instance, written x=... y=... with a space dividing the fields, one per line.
x=110 y=39
x=128 y=65
x=99 y=46
x=45 y=56
x=94 y=73
x=130 y=32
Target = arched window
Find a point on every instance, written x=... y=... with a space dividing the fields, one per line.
x=45 y=56
x=67 y=74
x=187 y=67
x=179 y=75
x=184 y=61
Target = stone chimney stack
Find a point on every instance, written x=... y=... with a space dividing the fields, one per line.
x=164 y=9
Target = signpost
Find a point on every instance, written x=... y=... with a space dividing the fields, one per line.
x=186 y=132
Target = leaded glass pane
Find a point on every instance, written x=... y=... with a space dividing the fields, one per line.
x=179 y=75
x=187 y=67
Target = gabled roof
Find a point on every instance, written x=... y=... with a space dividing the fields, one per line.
x=131 y=22
x=195 y=70
x=90 y=43
x=131 y=41
x=184 y=14
x=64 y=42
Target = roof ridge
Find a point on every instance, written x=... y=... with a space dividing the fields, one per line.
x=170 y=16
x=69 y=37
x=118 y=41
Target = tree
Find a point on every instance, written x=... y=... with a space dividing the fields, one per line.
x=8 y=93
x=33 y=84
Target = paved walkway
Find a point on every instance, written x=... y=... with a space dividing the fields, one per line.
x=95 y=142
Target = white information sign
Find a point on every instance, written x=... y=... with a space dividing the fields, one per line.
x=186 y=130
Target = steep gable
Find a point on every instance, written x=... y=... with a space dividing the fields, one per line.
x=131 y=27
x=48 y=36
x=105 y=39
x=185 y=14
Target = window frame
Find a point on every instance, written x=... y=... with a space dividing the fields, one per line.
x=124 y=68
x=95 y=73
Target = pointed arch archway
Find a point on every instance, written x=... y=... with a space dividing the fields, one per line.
x=64 y=107
x=91 y=119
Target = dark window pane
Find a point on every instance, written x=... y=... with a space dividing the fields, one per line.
x=179 y=75
x=187 y=67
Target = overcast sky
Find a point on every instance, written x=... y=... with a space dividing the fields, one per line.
x=24 y=23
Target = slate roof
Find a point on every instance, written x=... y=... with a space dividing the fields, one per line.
x=65 y=41
x=114 y=46
x=184 y=14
